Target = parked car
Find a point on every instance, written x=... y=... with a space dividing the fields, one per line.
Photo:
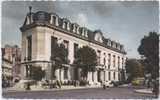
x=107 y=84
x=115 y=83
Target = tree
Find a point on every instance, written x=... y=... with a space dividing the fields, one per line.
x=86 y=59
x=134 y=69
x=59 y=56
x=149 y=49
x=37 y=73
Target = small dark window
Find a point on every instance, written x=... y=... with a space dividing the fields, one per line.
x=29 y=39
x=75 y=50
x=66 y=73
x=114 y=75
x=109 y=76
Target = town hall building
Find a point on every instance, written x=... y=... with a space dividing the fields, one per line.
x=41 y=29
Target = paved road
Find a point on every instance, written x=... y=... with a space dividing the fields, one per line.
x=92 y=93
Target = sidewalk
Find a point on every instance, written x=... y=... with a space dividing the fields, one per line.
x=53 y=89
x=146 y=91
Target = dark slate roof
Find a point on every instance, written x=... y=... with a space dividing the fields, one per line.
x=91 y=35
x=42 y=17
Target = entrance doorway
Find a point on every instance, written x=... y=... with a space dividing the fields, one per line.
x=75 y=73
x=99 y=76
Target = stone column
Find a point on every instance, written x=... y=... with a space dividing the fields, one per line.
x=89 y=76
x=104 y=75
x=95 y=76
x=74 y=28
x=23 y=72
x=68 y=73
x=79 y=73
x=51 y=20
x=62 y=74
x=57 y=74
x=57 y=21
x=71 y=52
x=68 y=28
x=77 y=30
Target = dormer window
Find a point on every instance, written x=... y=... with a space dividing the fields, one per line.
x=54 y=19
x=98 y=36
x=77 y=29
x=66 y=24
x=118 y=46
x=82 y=31
x=113 y=44
x=109 y=43
x=86 y=33
x=121 y=48
x=73 y=28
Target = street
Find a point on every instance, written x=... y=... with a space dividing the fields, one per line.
x=92 y=93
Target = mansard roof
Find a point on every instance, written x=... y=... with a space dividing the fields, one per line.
x=43 y=18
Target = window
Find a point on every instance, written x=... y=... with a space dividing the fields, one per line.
x=29 y=39
x=65 y=24
x=86 y=33
x=109 y=76
x=114 y=61
x=66 y=44
x=53 y=45
x=122 y=62
x=109 y=60
x=104 y=59
x=75 y=50
x=66 y=73
x=73 y=28
x=54 y=20
x=109 y=43
x=99 y=56
x=114 y=75
x=118 y=62
x=83 y=32
x=98 y=37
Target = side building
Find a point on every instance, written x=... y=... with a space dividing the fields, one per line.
x=11 y=55
x=41 y=29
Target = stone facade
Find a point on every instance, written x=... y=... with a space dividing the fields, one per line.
x=12 y=54
x=42 y=26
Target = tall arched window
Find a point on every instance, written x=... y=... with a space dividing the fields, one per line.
x=114 y=75
x=54 y=19
x=109 y=75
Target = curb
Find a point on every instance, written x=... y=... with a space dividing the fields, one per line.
x=143 y=92
x=56 y=89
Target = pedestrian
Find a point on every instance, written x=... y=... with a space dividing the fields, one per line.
x=59 y=83
x=28 y=86
x=104 y=85
x=130 y=85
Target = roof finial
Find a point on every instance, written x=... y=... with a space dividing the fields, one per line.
x=30 y=9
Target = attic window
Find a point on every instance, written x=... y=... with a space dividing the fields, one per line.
x=98 y=37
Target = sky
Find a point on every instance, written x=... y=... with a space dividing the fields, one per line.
x=125 y=22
